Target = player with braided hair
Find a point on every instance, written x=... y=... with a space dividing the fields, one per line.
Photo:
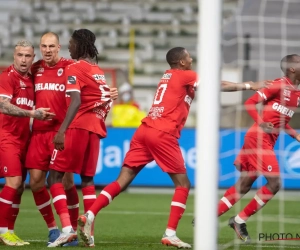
x=80 y=133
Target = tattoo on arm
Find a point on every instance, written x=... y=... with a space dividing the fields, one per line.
x=9 y=109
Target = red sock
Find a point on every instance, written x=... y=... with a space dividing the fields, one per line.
x=73 y=205
x=105 y=197
x=7 y=197
x=177 y=207
x=262 y=196
x=14 y=211
x=43 y=203
x=230 y=197
x=60 y=203
x=89 y=197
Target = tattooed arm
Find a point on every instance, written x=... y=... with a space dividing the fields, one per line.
x=9 y=109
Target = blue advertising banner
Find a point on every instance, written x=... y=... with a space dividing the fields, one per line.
x=114 y=147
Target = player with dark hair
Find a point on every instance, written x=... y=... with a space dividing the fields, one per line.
x=257 y=155
x=91 y=100
x=157 y=139
x=50 y=90
x=16 y=100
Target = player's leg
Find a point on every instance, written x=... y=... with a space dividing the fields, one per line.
x=60 y=203
x=7 y=196
x=236 y=192
x=73 y=204
x=67 y=161
x=105 y=197
x=37 y=162
x=268 y=165
x=72 y=198
x=87 y=177
x=11 y=169
x=14 y=211
x=166 y=151
x=137 y=157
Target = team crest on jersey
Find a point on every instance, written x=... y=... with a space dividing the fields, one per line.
x=270 y=168
x=41 y=70
x=60 y=72
x=287 y=93
x=22 y=84
x=71 y=79
x=5 y=169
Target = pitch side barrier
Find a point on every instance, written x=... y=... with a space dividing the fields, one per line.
x=114 y=147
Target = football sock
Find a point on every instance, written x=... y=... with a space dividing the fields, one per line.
x=106 y=196
x=14 y=211
x=7 y=197
x=73 y=205
x=89 y=197
x=60 y=203
x=262 y=196
x=43 y=203
x=230 y=197
x=178 y=206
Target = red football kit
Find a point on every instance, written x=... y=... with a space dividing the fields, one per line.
x=50 y=92
x=15 y=131
x=83 y=135
x=279 y=104
x=156 y=138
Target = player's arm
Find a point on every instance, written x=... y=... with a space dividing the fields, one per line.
x=71 y=113
x=9 y=109
x=113 y=93
x=292 y=132
x=250 y=106
x=231 y=86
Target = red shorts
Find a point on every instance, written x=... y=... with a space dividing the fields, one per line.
x=12 y=160
x=150 y=144
x=40 y=150
x=80 y=154
x=257 y=157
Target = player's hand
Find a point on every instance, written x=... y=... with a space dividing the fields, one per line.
x=113 y=93
x=261 y=84
x=42 y=114
x=297 y=137
x=59 y=141
x=267 y=127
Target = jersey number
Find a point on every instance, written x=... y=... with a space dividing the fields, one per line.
x=160 y=93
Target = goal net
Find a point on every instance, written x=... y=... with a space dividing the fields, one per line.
x=254 y=40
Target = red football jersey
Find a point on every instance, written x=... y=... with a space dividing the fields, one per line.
x=89 y=80
x=50 y=88
x=279 y=103
x=172 y=101
x=20 y=90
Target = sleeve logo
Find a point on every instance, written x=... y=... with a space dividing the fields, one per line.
x=71 y=79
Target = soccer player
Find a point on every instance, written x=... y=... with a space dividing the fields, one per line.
x=257 y=155
x=157 y=139
x=16 y=104
x=50 y=87
x=80 y=133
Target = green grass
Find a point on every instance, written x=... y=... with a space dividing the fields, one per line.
x=137 y=221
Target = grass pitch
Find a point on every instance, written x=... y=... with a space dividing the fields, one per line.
x=137 y=221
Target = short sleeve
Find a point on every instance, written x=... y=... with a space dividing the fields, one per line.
x=190 y=78
x=72 y=80
x=6 y=87
x=269 y=93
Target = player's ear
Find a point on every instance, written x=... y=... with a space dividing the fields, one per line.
x=59 y=46
x=292 y=70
